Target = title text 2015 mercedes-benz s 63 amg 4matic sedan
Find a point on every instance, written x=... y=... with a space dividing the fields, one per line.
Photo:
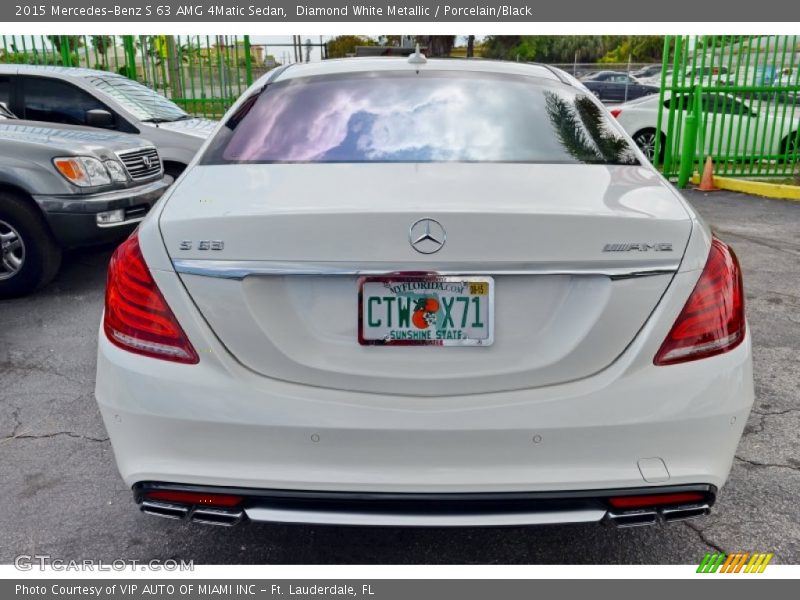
x=410 y=292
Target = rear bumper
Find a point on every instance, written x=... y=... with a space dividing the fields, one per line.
x=72 y=218
x=429 y=510
x=631 y=426
x=202 y=425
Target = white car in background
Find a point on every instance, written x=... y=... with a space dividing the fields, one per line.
x=410 y=292
x=728 y=123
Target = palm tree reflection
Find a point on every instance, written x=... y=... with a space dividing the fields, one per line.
x=583 y=132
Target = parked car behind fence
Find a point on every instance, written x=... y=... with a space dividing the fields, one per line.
x=732 y=129
x=616 y=86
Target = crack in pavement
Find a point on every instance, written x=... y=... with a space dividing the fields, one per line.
x=759 y=240
x=761 y=464
x=775 y=413
x=11 y=366
x=704 y=538
x=18 y=423
x=40 y=436
x=787 y=294
x=794 y=297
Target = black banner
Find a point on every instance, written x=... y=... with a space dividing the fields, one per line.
x=390 y=589
x=475 y=11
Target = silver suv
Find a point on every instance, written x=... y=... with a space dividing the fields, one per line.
x=77 y=96
x=63 y=186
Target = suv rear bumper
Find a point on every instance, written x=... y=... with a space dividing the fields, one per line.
x=73 y=218
x=427 y=509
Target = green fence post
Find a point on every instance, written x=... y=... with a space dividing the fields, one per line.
x=659 y=146
x=690 y=140
x=699 y=114
x=669 y=145
x=130 y=56
x=248 y=62
x=66 y=59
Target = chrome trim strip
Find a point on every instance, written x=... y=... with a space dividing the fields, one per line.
x=234 y=269
x=320 y=517
x=555 y=72
x=121 y=223
x=136 y=149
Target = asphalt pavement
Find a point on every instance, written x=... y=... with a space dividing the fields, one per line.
x=61 y=494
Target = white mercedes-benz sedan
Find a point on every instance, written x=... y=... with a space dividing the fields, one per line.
x=423 y=292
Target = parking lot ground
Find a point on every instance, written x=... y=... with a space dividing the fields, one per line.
x=61 y=494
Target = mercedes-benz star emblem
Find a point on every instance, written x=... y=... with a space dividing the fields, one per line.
x=427 y=236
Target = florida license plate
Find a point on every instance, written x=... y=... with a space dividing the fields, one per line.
x=426 y=310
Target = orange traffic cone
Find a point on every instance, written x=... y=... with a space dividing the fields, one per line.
x=707 y=181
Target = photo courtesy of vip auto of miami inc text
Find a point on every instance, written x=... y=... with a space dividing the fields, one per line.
x=384 y=299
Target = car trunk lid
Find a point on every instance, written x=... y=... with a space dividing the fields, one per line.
x=274 y=267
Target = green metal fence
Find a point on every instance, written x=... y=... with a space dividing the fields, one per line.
x=203 y=74
x=734 y=98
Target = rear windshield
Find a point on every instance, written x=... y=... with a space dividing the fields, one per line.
x=426 y=117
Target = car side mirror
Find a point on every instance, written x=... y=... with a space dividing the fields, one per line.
x=98 y=117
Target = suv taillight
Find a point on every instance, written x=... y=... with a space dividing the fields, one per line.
x=712 y=321
x=137 y=317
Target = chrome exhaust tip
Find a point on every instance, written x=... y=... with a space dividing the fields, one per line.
x=166 y=510
x=637 y=518
x=216 y=516
x=195 y=514
x=682 y=513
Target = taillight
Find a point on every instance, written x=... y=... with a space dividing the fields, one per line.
x=615 y=112
x=712 y=321
x=137 y=317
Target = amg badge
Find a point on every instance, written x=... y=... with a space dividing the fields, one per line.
x=639 y=247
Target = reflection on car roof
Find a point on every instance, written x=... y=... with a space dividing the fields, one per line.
x=31 y=133
x=56 y=70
